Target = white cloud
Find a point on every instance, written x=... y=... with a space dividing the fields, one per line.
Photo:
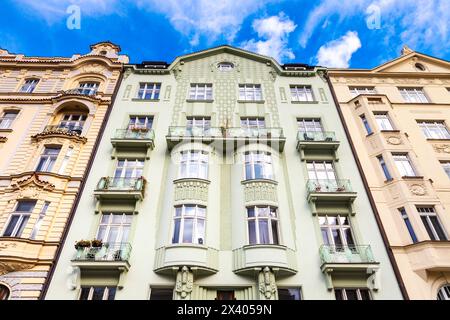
x=275 y=31
x=337 y=53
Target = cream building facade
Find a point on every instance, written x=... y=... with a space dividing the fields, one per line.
x=51 y=112
x=398 y=115
x=224 y=175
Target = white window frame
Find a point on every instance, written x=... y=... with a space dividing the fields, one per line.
x=357 y=90
x=302 y=93
x=7 y=121
x=252 y=158
x=434 y=129
x=446 y=166
x=50 y=161
x=91 y=292
x=148 y=122
x=88 y=87
x=71 y=120
x=250 y=92
x=201 y=91
x=413 y=95
x=40 y=219
x=29 y=85
x=24 y=217
x=124 y=227
x=196 y=218
x=270 y=224
x=321 y=166
x=383 y=120
x=303 y=126
x=194 y=158
x=444 y=292
x=154 y=88
x=253 y=123
x=358 y=292
x=404 y=165
x=340 y=227
x=425 y=212
x=225 y=66
x=136 y=164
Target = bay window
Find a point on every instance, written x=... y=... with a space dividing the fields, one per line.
x=189 y=224
x=262 y=225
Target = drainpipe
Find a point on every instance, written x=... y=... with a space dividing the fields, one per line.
x=369 y=194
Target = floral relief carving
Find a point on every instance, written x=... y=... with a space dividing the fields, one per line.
x=191 y=189
x=260 y=191
x=418 y=189
x=442 y=148
x=7 y=245
x=394 y=140
x=10 y=266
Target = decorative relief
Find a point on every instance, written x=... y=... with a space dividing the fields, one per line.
x=184 y=283
x=394 y=140
x=55 y=136
x=10 y=266
x=191 y=189
x=260 y=190
x=267 y=284
x=35 y=183
x=3 y=139
x=442 y=148
x=7 y=245
x=418 y=189
x=93 y=68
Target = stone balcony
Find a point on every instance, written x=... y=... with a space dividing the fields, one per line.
x=134 y=138
x=317 y=142
x=335 y=191
x=432 y=256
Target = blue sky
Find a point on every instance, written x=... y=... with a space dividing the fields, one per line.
x=334 y=33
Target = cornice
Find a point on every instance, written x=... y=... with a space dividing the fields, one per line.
x=59 y=134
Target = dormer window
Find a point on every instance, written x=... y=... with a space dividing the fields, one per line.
x=225 y=66
x=29 y=85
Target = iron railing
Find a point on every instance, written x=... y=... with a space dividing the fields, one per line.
x=121 y=184
x=346 y=254
x=65 y=129
x=316 y=136
x=135 y=134
x=119 y=251
x=317 y=186
x=254 y=132
x=82 y=91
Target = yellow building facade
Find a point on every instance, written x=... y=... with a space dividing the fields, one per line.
x=398 y=118
x=52 y=111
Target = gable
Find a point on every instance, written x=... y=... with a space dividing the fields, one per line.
x=410 y=62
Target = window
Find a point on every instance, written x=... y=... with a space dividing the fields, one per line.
x=200 y=91
x=309 y=125
x=225 y=295
x=140 y=122
x=446 y=166
x=7 y=119
x=355 y=91
x=302 y=93
x=258 y=165
x=404 y=165
x=250 y=92
x=97 y=293
x=48 y=159
x=336 y=231
x=262 y=225
x=385 y=169
x=37 y=225
x=383 y=121
x=408 y=224
x=29 y=85
x=127 y=172
x=225 y=66
x=198 y=125
x=434 y=129
x=114 y=228
x=413 y=95
x=189 y=224
x=253 y=123
x=419 y=66
x=4 y=292
x=432 y=224
x=289 y=294
x=366 y=124
x=161 y=294
x=65 y=161
x=320 y=170
x=149 y=91
x=194 y=164
x=88 y=88
x=352 y=294
x=443 y=294
x=73 y=122
x=19 y=218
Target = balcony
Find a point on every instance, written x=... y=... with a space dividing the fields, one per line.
x=71 y=132
x=192 y=134
x=356 y=260
x=336 y=191
x=271 y=136
x=250 y=259
x=317 y=142
x=82 y=91
x=201 y=259
x=120 y=188
x=136 y=138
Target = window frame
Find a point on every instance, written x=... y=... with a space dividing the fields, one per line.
x=88 y=87
x=256 y=219
x=446 y=167
x=50 y=161
x=123 y=227
x=9 y=120
x=400 y=164
x=341 y=230
x=381 y=122
x=411 y=97
x=358 y=90
x=29 y=85
x=144 y=88
x=317 y=125
x=326 y=170
x=252 y=90
x=196 y=90
x=366 y=124
x=105 y=296
x=229 y=66
x=439 y=127
x=201 y=160
x=408 y=224
x=253 y=159
x=444 y=292
x=430 y=226
x=384 y=168
x=148 y=122
x=135 y=164
x=299 y=90
x=22 y=221
x=357 y=291
x=196 y=217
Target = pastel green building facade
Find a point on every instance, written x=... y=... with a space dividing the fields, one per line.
x=224 y=175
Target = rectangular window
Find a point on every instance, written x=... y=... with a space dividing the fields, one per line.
x=432 y=224
x=189 y=224
x=140 y=122
x=385 y=169
x=434 y=129
x=309 y=125
x=198 y=126
x=161 y=294
x=37 y=225
x=408 y=224
x=88 y=88
x=73 y=122
x=302 y=93
x=7 y=119
x=321 y=170
x=289 y=294
x=29 y=85
x=149 y=91
x=48 y=159
x=383 y=121
x=258 y=165
x=19 y=218
x=97 y=293
x=446 y=166
x=352 y=294
x=262 y=225
x=194 y=164
x=253 y=123
x=366 y=124
x=250 y=92
x=200 y=91
x=336 y=232
x=356 y=91
x=404 y=165
x=114 y=228
x=66 y=160
x=413 y=95
x=127 y=172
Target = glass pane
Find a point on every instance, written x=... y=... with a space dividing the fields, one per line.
x=41 y=164
x=25 y=206
x=111 y=293
x=252 y=232
x=325 y=237
x=23 y=223
x=332 y=220
x=98 y=293
x=351 y=294
x=275 y=231
x=188 y=230
x=289 y=294
x=113 y=235
x=12 y=224
x=200 y=237
x=117 y=218
x=84 y=293
x=365 y=295
x=258 y=171
x=178 y=211
x=338 y=294
x=251 y=212
x=101 y=233
x=349 y=237
x=438 y=228
x=427 y=227
x=125 y=234
x=189 y=210
x=161 y=294
x=248 y=171
x=263 y=232
x=337 y=238
x=176 y=231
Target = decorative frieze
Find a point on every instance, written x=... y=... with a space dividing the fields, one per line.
x=260 y=190
x=191 y=189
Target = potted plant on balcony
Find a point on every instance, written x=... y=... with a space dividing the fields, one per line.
x=96 y=243
x=82 y=244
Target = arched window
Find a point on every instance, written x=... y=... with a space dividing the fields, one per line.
x=4 y=292
x=225 y=66
x=444 y=293
x=420 y=67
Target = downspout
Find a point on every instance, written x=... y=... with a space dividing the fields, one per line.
x=369 y=194
x=82 y=186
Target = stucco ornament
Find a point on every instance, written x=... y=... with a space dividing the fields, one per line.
x=394 y=140
x=442 y=148
x=184 y=283
x=418 y=190
x=267 y=284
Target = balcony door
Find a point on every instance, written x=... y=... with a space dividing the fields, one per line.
x=72 y=122
x=336 y=233
x=127 y=172
x=114 y=228
x=321 y=171
x=198 y=126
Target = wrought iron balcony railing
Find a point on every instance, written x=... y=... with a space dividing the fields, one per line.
x=82 y=91
x=327 y=186
x=119 y=251
x=66 y=129
x=346 y=254
x=316 y=136
x=135 y=134
x=121 y=184
x=268 y=133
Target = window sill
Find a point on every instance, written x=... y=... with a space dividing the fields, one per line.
x=6 y=130
x=247 y=181
x=389 y=180
x=369 y=134
x=187 y=245
x=390 y=131
x=305 y=102
x=251 y=101
x=437 y=140
x=412 y=177
x=138 y=99
x=262 y=245
x=194 y=100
